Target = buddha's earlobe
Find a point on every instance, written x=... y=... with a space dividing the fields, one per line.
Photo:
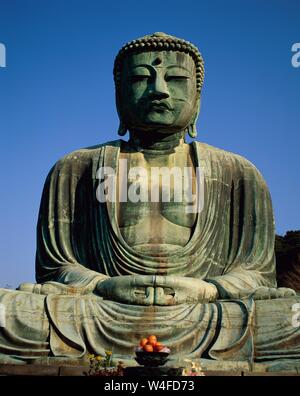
x=192 y=128
x=122 y=129
x=122 y=126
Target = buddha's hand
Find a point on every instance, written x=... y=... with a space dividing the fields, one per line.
x=129 y=289
x=173 y=290
x=266 y=293
x=156 y=290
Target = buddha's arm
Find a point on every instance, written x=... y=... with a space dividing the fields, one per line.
x=251 y=260
x=60 y=253
x=77 y=275
x=239 y=283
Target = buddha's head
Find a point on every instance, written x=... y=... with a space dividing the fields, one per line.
x=158 y=82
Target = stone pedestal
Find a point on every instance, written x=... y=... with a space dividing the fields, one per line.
x=61 y=371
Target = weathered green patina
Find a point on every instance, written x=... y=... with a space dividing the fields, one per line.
x=109 y=273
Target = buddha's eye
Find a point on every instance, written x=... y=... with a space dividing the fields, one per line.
x=139 y=78
x=176 y=78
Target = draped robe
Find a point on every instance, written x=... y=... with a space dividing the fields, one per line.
x=79 y=243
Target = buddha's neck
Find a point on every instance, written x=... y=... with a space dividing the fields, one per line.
x=156 y=142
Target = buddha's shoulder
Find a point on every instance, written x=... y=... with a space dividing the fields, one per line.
x=84 y=156
x=216 y=154
x=227 y=159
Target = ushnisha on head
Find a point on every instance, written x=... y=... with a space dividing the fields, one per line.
x=158 y=80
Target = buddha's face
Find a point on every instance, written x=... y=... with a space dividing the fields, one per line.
x=158 y=91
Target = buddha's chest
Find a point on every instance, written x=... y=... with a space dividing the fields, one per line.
x=156 y=196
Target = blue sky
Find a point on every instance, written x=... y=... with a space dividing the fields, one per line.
x=57 y=94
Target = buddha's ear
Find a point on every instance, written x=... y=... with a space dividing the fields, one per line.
x=192 y=128
x=122 y=127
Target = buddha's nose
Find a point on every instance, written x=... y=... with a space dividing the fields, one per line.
x=159 y=88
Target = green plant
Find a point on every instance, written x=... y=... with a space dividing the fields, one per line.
x=192 y=369
x=104 y=365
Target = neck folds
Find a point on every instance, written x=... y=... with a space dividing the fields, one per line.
x=156 y=143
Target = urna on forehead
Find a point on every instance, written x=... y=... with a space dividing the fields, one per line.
x=160 y=59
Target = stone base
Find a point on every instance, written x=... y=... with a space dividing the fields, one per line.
x=210 y=368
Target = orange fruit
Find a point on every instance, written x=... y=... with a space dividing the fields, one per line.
x=152 y=342
x=152 y=338
x=143 y=342
x=148 y=348
x=158 y=347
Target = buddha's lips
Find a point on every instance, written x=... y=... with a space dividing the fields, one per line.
x=156 y=104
